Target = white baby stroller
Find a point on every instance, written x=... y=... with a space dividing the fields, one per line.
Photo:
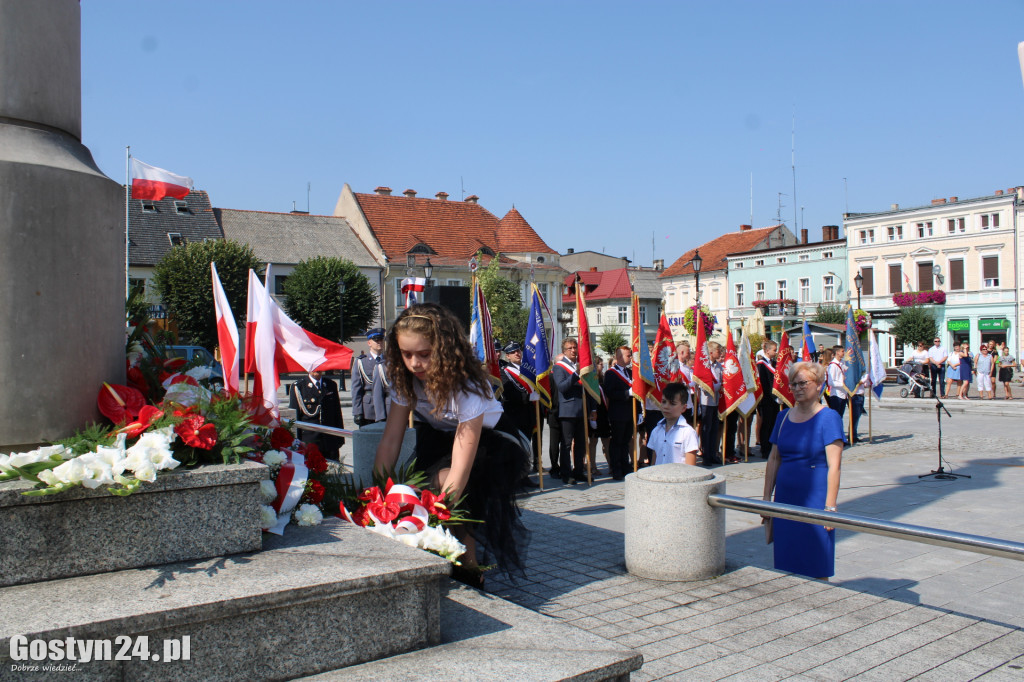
x=913 y=380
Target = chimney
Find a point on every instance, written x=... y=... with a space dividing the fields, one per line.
x=659 y=264
x=894 y=207
x=953 y=200
x=572 y=251
x=383 y=191
x=745 y=228
x=803 y=235
x=443 y=196
x=411 y=193
x=936 y=202
x=472 y=199
x=999 y=192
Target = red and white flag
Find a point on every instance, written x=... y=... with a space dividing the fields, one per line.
x=150 y=182
x=227 y=333
x=783 y=362
x=663 y=358
x=412 y=287
x=735 y=393
x=703 y=376
x=264 y=346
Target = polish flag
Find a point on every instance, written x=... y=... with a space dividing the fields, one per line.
x=252 y=311
x=227 y=333
x=150 y=182
x=412 y=286
x=264 y=346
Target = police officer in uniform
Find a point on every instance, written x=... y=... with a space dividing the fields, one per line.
x=315 y=399
x=370 y=395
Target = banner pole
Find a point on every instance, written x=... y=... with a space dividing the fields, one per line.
x=540 y=444
x=725 y=430
x=635 y=439
x=870 y=434
x=849 y=408
x=746 y=438
x=586 y=438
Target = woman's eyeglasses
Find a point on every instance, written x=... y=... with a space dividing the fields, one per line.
x=800 y=384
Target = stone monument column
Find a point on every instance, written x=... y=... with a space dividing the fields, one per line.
x=62 y=277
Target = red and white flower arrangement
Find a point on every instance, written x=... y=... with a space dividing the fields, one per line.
x=296 y=490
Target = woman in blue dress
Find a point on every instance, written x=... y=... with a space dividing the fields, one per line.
x=803 y=469
x=966 y=370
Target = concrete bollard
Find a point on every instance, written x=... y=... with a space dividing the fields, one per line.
x=364 y=449
x=671 y=532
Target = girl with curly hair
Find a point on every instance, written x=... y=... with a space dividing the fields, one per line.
x=464 y=442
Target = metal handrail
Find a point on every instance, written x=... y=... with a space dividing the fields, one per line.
x=320 y=428
x=865 y=524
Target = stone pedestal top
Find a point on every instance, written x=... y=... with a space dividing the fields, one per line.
x=673 y=473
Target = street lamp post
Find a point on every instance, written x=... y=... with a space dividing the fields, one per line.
x=341 y=311
x=428 y=270
x=859 y=281
x=696 y=262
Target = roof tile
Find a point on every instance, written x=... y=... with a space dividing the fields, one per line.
x=713 y=253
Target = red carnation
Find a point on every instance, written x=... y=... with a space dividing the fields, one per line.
x=315 y=492
x=311 y=449
x=197 y=432
x=281 y=438
x=316 y=463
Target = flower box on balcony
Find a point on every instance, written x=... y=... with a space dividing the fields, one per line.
x=908 y=299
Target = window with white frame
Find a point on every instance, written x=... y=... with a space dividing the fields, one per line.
x=805 y=289
x=805 y=256
x=989 y=221
x=643 y=314
x=827 y=254
x=894 y=233
x=543 y=288
x=598 y=320
x=453 y=282
x=739 y=265
x=758 y=291
x=924 y=229
x=623 y=314
x=956 y=225
x=780 y=259
x=867 y=236
x=828 y=288
x=990 y=271
x=739 y=295
x=780 y=288
x=758 y=263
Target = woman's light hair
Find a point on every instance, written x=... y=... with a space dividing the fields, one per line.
x=816 y=371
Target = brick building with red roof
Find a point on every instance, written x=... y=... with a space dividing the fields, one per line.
x=609 y=298
x=405 y=233
x=679 y=279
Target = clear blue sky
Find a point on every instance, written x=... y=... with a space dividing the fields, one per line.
x=604 y=123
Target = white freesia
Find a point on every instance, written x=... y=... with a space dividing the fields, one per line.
x=308 y=515
x=268 y=517
x=268 y=491
x=273 y=458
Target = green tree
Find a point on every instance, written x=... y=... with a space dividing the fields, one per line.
x=914 y=325
x=610 y=340
x=182 y=279
x=508 y=316
x=831 y=314
x=312 y=291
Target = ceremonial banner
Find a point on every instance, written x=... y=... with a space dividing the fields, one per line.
x=853 y=356
x=877 y=371
x=783 y=363
x=702 y=374
x=664 y=357
x=734 y=389
x=745 y=357
x=536 y=367
x=808 y=344
x=587 y=369
x=643 y=370
x=481 y=337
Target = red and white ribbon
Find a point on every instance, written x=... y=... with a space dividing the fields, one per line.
x=291 y=484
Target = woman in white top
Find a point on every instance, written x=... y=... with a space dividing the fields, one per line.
x=462 y=440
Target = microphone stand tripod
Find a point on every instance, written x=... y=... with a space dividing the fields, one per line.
x=941 y=473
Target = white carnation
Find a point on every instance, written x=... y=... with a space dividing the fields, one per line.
x=273 y=458
x=268 y=517
x=268 y=491
x=308 y=515
x=200 y=373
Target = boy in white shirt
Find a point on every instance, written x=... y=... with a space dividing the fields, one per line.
x=673 y=440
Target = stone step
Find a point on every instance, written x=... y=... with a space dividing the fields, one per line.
x=487 y=638
x=316 y=599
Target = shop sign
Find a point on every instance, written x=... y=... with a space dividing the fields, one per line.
x=958 y=325
x=993 y=324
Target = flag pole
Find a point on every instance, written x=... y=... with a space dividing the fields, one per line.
x=849 y=408
x=870 y=434
x=746 y=438
x=725 y=430
x=586 y=437
x=540 y=444
x=127 y=192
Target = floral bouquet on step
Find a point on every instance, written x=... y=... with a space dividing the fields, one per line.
x=404 y=512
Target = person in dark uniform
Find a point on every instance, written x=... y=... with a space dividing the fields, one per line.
x=518 y=401
x=315 y=399
x=370 y=391
x=570 y=414
x=768 y=408
x=618 y=386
